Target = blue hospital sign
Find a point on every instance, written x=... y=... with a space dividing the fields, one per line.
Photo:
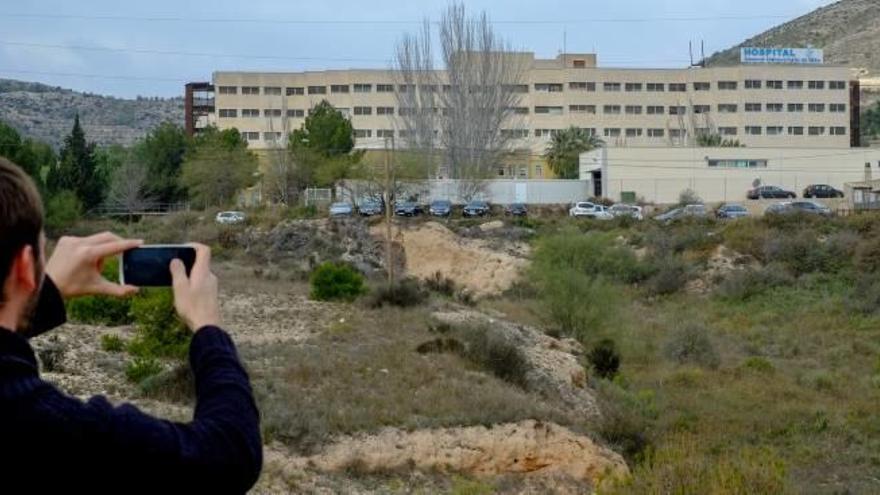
x=752 y=55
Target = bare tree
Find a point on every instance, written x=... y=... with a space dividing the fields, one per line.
x=464 y=109
x=128 y=188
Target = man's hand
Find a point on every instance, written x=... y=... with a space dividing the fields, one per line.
x=195 y=297
x=75 y=265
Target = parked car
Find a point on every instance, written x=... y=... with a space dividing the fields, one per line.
x=778 y=208
x=624 y=210
x=230 y=217
x=341 y=210
x=370 y=208
x=590 y=210
x=407 y=209
x=440 y=208
x=770 y=192
x=476 y=208
x=810 y=208
x=516 y=210
x=731 y=211
x=688 y=211
x=822 y=191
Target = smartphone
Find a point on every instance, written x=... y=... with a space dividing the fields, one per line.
x=148 y=266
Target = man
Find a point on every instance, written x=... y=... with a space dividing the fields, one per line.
x=51 y=442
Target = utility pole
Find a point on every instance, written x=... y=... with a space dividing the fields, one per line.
x=389 y=257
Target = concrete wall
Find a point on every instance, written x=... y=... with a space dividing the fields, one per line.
x=502 y=192
x=660 y=174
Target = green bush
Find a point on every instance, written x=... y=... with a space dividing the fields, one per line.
x=867 y=255
x=160 y=333
x=112 y=343
x=141 y=368
x=671 y=274
x=800 y=252
x=626 y=420
x=331 y=282
x=62 y=211
x=591 y=254
x=605 y=359
x=745 y=284
x=494 y=351
x=102 y=310
x=404 y=293
x=865 y=296
x=578 y=305
x=690 y=343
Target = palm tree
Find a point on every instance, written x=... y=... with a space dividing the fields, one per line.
x=563 y=152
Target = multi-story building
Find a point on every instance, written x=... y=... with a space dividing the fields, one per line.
x=792 y=106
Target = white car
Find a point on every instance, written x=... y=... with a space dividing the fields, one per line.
x=230 y=217
x=590 y=210
x=624 y=210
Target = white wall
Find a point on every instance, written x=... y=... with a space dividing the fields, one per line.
x=534 y=192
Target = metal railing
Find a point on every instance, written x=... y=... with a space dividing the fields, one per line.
x=157 y=209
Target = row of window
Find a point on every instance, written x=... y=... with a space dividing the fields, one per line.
x=539 y=87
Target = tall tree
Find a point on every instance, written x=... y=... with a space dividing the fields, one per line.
x=128 y=188
x=76 y=171
x=163 y=150
x=34 y=157
x=563 y=152
x=217 y=166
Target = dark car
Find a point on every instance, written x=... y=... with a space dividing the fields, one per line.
x=407 y=209
x=822 y=191
x=516 y=209
x=440 y=208
x=476 y=208
x=770 y=192
x=731 y=211
x=370 y=208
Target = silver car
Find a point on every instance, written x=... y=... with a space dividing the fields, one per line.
x=341 y=210
x=230 y=217
x=624 y=210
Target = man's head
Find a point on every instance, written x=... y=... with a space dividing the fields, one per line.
x=21 y=244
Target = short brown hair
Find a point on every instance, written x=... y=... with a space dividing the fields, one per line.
x=21 y=216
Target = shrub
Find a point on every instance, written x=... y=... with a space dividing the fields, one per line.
x=112 y=343
x=742 y=285
x=800 y=252
x=174 y=385
x=690 y=343
x=689 y=197
x=332 y=282
x=865 y=297
x=591 y=254
x=670 y=276
x=102 y=310
x=160 y=333
x=867 y=255
x=626 y=419
x=494 y=352
x=758 y=365
x=62 y=211
x=604 y=358
x=576 y=304
x=141 y=368
x=403 y=293
x=440 y=284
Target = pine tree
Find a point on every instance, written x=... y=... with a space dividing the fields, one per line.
x=76 y=171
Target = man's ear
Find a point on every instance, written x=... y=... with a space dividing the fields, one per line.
x=24 y=271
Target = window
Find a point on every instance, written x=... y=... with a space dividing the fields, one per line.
x=612 y=132
x=633 y=87
x=677 y=87
x=816 y=84
x=837 y=107
x=678 y=133
x=611 y=86
x=296 y=113
x=384 y=88
x=581 y=86
x=363 y=110
x=656 y=133
x=773 y=84
x=272 y=90
x=363 y=88
x=837 y=131
x=737 y=163
x=339 y=88
x=250 y=112
x=727 y=131
x=795 y=107
x=656 y=87
x=796 y=131
x=317 y=90
x=816 y=107
x=384 y=110
x=677 y=110
x=546 y=132
x=753 y=130
x=591 y=131
x=774 y=107
x=631 y=133
x=345 y=111
x=515 y=88
x=515 y=133
x=548 y=110
x=727 y=85
x=753 y=84
x=816 y=131
x=795 y=85
x=656 y=110
x=698 y=109
x=271 y=136
x=548 y=88
x=836 y=84
x=403 y=134
x=702 y=86
x=582 y=108
x=297 y=90
x=727 y=108
x=520 y=110
x=272 y=112
x=633 y=109
x=774 y=130
x=405 y=88
x=250 y=135
x=384 y=133
x=753 y=107
x=404 y=111
x=228 y=113
x=579 y=63
x=228 y=90
x=250 y=90
x=363 y=133
x=611 y=109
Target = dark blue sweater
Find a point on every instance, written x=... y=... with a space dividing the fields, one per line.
x=51 y=442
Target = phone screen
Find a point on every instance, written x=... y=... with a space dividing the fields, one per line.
x=148 y=266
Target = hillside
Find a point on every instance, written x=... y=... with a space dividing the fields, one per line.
x=848 y=31
x=46 y=113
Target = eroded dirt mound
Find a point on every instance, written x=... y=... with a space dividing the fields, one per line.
x=526 y=448
x=473 y=264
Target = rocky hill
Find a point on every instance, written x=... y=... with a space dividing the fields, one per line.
x=848 y=31
x=46 y=113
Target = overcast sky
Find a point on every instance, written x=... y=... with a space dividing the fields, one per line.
x=151 y=48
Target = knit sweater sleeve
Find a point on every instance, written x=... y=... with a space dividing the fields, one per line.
x=49 y=312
